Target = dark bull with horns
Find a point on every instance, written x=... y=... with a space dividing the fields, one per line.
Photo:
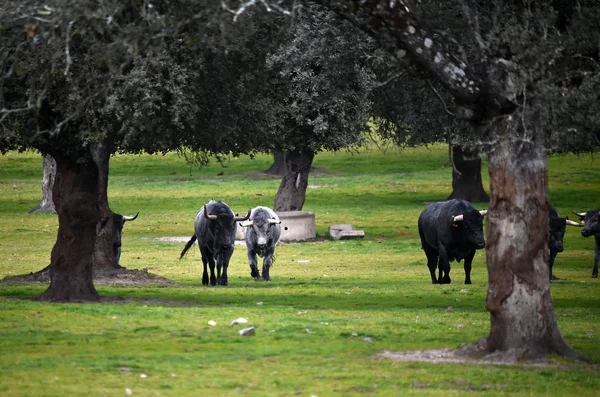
x=558 y=227
x=118 y=223
x=215 y=229
x=450 y=230
x=590 y=221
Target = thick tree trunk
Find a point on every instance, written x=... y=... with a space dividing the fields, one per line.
x=523 y=324
x=105 y=254
x=75 y=195
x=292 y=190
x=47 y=204
x=466 y=176
x=278 y=167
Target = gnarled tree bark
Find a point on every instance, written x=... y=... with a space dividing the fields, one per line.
x=278 y=167
x=75 y=195
x=47 y=204
x=292 y=190
x=523 y=321
x=466 y=176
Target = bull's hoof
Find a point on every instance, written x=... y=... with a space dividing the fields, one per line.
x=254 y=273
x=594 y=276
x=554 y=278
x=468 y=282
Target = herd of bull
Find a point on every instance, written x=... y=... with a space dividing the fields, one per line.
x=449 y=230
x=453 y=230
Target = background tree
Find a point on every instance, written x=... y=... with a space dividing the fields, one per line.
x=80 y=83
x=48 y=174
x=507 y=94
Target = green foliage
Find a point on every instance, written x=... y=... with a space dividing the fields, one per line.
x=377 y=287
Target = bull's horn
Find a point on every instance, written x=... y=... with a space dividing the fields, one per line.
x=570 y=222
x=246 y=224
x=457 y=218
x=243 y=218
x=130 y=218
x=209 y=217
x=581 y=214
x=483 y=212
x=274 y=221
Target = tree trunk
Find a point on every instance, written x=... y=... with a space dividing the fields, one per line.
x=47 y=204
x=292 y=190
x=466 y=176
x=278 y=167
x=523 y=324
x=105 y=254
x=75 y=195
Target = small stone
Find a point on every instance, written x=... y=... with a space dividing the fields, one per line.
x=246 y=331
x=240 y=320
x=368 y=339
x=212 y=323
x=259 y=303
x=450 y=309
x=143 y=376
x=128 y=391
x=458 y=299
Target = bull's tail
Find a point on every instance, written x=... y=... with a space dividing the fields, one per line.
x=187 y=246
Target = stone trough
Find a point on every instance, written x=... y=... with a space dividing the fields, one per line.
x=295 y=226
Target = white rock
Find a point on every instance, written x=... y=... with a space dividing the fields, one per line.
x=212 y=323
x=240 y=320
x=246 y=331
x=128 y=391
x=143 y=376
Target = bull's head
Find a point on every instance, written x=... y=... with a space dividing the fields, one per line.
x=590 y=221
x=118 y=223
x=262 y=230
x=471 y=224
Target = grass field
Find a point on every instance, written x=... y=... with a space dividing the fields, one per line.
x=331 y=308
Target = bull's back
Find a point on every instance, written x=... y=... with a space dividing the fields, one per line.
x=428 y=224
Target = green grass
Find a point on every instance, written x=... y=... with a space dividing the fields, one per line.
x=348 y=290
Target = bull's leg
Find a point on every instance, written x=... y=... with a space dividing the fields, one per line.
x=266 y=265
x=205 y=257
x=469 y=266
x=432 y=259
x=596 y=256
x=444 y=265
x=551 y=264
x=210 y=258
x=253 y=264
x=222 y=265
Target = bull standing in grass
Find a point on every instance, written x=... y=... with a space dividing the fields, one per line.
x=450 y=230
x=591 y=227
x=262 y=234
x=558 y=227
x=215 y=228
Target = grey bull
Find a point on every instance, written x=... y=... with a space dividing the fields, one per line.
x=262 y=234
x=215 y=228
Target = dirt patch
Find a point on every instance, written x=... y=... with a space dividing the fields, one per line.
x=120 y=277
x=477 y=354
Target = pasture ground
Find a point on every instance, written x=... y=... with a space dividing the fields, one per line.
x=322 y=324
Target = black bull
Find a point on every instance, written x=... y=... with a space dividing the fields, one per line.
x=558 y=227
x=591 y=227
x=450 y=230
x=215 y=228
